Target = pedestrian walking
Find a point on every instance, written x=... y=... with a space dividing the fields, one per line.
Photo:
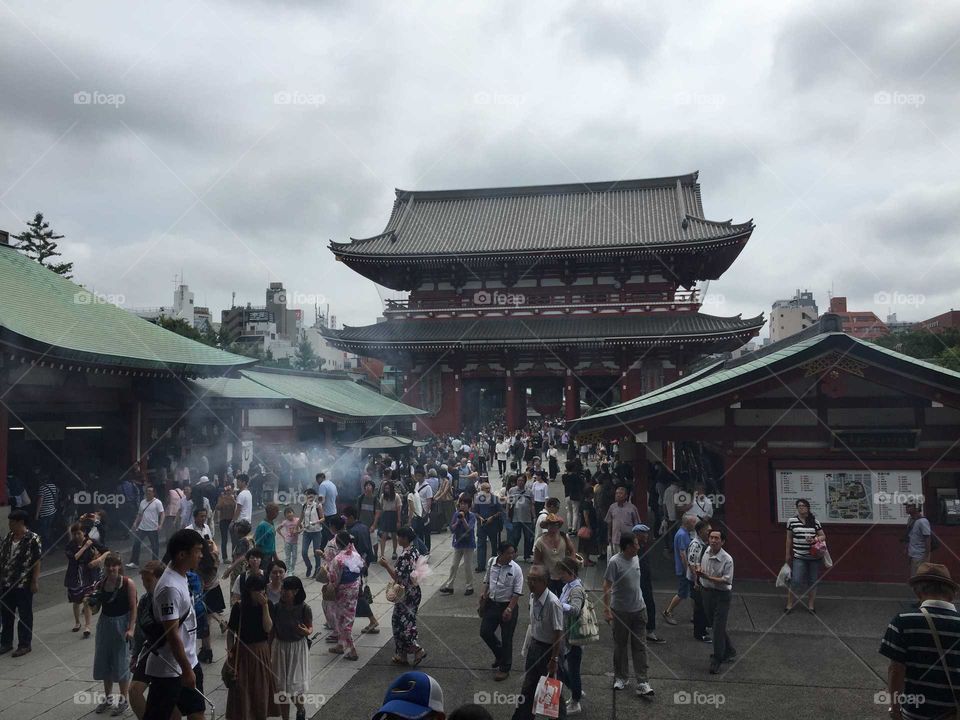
x=919 y=537
x=422 y=504
x=150 y=573
x=265 y=536
x=344 y=575
x=545 y=643
x=520 y=513
x=290 y=649
x=463 y=527
x=573 y=596
x=173 y=672
x=803 y=530
x=84 y=562
x=573 y=484
x=388 y=517
x=502 y=588
x=289 y=531
x=642 y=533
x=116 y=597
x=698 y=546
x=681 y=541
x=361 y=540
x=311 y=527
x=551 y=548
x=147 y=526
x=489 y=512
x=48 y=496
x=589 y=534
x=620 y=518
x=624 y=608
x=253 y=695
x=716 y=577
x=225 y=512
x=20 y=554
x=405 y=634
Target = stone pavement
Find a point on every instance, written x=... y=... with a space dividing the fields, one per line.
x=789 y=666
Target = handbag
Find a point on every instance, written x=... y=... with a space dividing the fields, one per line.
x=943 y=658
x=328 y=592
x=584 y=628
x=584 y=533
x=228 y=673
x=395 y=592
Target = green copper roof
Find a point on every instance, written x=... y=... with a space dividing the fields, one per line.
x=333 y=395
x=240 y=388
x=44 y=314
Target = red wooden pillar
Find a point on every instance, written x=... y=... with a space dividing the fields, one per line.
x=4 y=451
x=510 y=400
x=457 y=400
x=571 y=397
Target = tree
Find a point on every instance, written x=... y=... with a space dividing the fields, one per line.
x=306 y=357
x=182 y=327
x=941 y=348
x=39 y=243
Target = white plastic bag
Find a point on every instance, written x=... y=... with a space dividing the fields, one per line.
x=783 y=579
x=827 y=560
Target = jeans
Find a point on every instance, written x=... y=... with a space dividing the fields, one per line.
x=486 y=533
x=421 y=527
x=153 y=536
x=526 y=529
x=316 y=538
x=538 y=658
x=225 y=538
x=699 y=614
x=804 y=575
x=571 y=672
x=501 y=648
x=629 y=632
x=290 y=557
x=14 y=601
x=716 y=603
x=43 y=525
x=466 y=556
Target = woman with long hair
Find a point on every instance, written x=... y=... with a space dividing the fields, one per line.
x=252 y=696
x=344 y=574
x=84 y=559
x=405 y=636
x=803 y=530
x=388 y=515
x=290 y=651
x=117 y=596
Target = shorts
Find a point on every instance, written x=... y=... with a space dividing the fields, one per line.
x=683 y=587
x=166 y=693
x=140 y=671
x=804 y=573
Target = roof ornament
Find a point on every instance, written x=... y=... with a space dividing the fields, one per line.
x=681 y=205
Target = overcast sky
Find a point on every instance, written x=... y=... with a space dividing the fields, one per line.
x=232 y=140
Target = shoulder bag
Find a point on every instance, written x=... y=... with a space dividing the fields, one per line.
x=584 y=629
x=943 y=660
x=228 y=673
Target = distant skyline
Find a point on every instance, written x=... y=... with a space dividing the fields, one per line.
x=234 y=140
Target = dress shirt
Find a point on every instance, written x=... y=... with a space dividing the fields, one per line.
x=503 y=582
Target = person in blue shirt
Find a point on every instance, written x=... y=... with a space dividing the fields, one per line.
x=681 y=541
x=463 y=527
x=489 y=514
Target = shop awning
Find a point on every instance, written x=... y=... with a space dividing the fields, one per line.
x=384 y=442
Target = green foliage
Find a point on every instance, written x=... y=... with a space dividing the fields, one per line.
x=39 y=243
x=306 y=357
x=940 y=348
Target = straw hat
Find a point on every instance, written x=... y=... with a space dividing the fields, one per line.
x=551 y=519
x=934 y=572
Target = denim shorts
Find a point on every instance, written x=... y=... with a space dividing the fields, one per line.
x=683 y=587
x=804 y=573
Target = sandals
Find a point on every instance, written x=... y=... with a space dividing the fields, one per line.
x=336 y=650
x=370 y=630
x=86 y=633
x=419 y=657
x=76 y=628
x=397 y=660
x=811 y=611
x=352 y=656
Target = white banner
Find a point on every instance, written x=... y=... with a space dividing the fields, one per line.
x=246 y=455
x=849 y=496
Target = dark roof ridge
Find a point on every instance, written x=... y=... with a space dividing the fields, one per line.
x=557 y=189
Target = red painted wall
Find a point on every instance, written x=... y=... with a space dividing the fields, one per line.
x=447 y=420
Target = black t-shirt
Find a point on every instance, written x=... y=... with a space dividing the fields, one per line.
x=573 y=484
x=250 y=622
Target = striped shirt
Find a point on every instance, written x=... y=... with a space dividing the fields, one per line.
x=908 y=641
x=48 y=500
x=803 y=536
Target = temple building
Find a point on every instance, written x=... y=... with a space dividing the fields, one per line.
x=547 y=298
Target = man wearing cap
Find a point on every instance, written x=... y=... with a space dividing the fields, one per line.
x=412 y=696
x=920 y=643
x=642 y=533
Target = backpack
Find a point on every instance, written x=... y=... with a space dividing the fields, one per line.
x=584 y=629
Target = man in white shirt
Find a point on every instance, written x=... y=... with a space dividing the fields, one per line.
x=716 y=577
x=420 y=521
x=199 y=523
x=176 y=678
x=502 y=587
x=702 y=506
x=147 y=524
x=244 y=510
x=502 y=449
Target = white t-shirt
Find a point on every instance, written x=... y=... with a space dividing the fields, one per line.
x=204 y=531
x=670 y=501
x=702 y=507
x=426 y=496
x=150 y=514
x=541 y=491
x=171 y=601
x=245 y=501
x=502 y=449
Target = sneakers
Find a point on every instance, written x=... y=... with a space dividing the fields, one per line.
x=644 y=690
x=573 y=708
x=446 y=591
x=619 y=684
x=502 y=675
x=20 y=652
x=132 y=565
x=705 y=639
x=654 y=638
x=668 y=618
x=714 y=667
x=121 y=707
x=103 y=707
x=468 y=591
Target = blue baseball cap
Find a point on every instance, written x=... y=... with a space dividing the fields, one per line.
x=413 y=695
x=640 y=527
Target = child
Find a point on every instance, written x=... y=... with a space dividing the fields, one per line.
x=290 y=532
